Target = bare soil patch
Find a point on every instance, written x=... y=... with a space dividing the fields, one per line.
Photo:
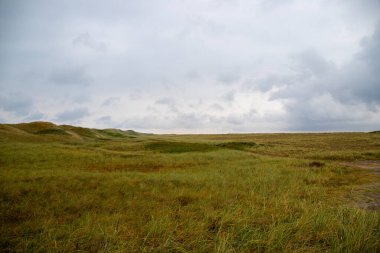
x=374 y=166
x=371 y=191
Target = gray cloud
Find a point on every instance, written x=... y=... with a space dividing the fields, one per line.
x=16 y=103
x=192 y=75
x=170 y=103
x=217 y=107
x=356 y=81
x=86 y=40
x=312 y=63
x=70 y=75
x=105 y=122
x=165 y=101
x=74 y=115
x=271 y=4
x=111 y=101
x=229 y=96
x=19 y=107
x=201 y=66
x=364 y=70
x=228 y=78
x=319 y=95
x=356 y=85
x=35 y=116
x=105 y=119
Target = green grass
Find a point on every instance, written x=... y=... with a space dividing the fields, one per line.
x=102 y=191
x=179 y=147
x=239 y=145
x=57 y=131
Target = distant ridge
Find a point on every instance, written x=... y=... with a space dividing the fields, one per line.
x=49 y=130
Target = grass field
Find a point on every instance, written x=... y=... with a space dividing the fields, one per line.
x=72 y=189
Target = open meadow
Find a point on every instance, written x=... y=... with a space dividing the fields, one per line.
x=72 y=189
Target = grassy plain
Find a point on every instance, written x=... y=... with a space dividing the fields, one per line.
x=71 y=189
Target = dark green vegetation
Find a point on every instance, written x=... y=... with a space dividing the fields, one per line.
x=179 y=147
x=66 y=189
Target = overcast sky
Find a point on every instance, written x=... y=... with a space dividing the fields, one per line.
x=193 y=66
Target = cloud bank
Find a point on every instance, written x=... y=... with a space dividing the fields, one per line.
x=192 y=66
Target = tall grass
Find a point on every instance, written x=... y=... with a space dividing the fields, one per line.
x=198 y=195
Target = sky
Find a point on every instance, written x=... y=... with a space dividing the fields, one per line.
x=192 y=66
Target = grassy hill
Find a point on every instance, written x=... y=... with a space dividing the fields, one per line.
x=35 y=130
x=66 y=188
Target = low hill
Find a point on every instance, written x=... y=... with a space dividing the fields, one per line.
x=41 y=130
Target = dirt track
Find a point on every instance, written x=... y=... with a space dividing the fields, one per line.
x=371 y=191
